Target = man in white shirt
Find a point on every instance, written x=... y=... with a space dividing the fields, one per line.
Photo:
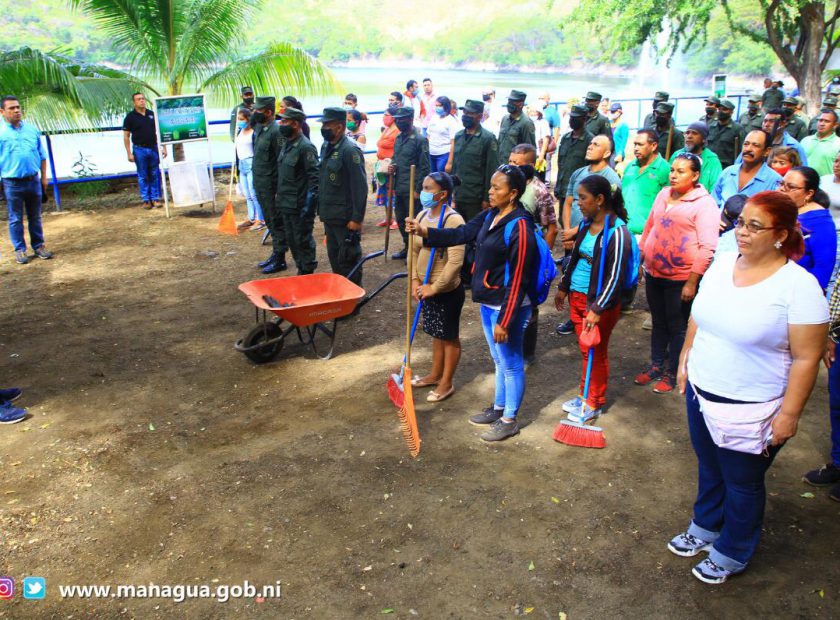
x=493 y=112
x=427 y=101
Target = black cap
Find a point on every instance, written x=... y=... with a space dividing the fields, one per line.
x=404 y=112
x=665 y=107
x=726 y=103
x=264 y=102
x=754 y=99
x=247 y=90
x=661 y=95
x=334 y=114
x=517 y=95
x=713 y=99
x=579 y=110
x=473 y=107
x=732 y=209
x=700 y=127
x=829 y=101
x=593 y=96
x=790 y=101
x=293 y=114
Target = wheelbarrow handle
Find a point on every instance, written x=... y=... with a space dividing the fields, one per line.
x=365 y=259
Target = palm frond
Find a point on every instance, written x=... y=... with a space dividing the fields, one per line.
x=282 y=69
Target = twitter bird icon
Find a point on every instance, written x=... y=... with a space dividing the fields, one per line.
x=34 y=588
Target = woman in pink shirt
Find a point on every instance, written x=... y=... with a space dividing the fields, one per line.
x=677 y=247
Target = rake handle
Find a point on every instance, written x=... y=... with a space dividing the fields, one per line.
x=410 y=261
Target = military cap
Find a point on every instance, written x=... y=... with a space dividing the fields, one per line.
x=336 y=114
x=264 y=102
x=517 y=95
x=247 y=89
x=713 y=99
x=472 y=106
x=661 y=95
x=593 y=96
x=404 y=112
x=829 y=101
x=665 y=107
x=293 y=114
x=754 y=99
x=726 y=103
x=579 y=110
x=834 y=89
x=790 y=101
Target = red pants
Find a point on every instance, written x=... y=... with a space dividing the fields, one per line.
x=600 y=363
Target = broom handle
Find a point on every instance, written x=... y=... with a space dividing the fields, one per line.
x=232 y=173
x=410 y=269
x=591 y=355
x=668 y=146
x=428 y=275
x=389 y=213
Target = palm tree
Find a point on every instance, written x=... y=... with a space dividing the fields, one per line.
x=194 y=45
x=58 y=92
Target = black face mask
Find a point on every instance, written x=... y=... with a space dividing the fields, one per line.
x=485 y=97
x=724 y=116
x=576 y=122
x=328 y=134
x=512 y=108
x=467 y=121
x=710 y=111
x=248 y=100
x=286 y=131
x=403 y=124
x=592 y=105
x=661 y=121
x=258 y=118
x=753 y=109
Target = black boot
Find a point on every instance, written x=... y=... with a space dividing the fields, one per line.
x=278 y=264
x=401 y=255
x=267 y=261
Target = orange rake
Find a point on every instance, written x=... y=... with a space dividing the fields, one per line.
x=399 y=388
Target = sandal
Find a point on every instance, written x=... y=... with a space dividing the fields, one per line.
x=419 y=383
x=434 y=397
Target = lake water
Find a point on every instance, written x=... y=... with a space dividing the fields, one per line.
x=105 y=150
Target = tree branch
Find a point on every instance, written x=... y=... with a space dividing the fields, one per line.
x=790 y=62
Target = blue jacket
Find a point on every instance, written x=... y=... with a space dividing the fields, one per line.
x=494 y=259
x=820 y=244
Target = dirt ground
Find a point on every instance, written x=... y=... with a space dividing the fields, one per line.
x=156 y=453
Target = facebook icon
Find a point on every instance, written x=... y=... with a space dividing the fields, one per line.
x=34 y=588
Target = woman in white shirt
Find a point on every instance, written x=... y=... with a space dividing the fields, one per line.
x=441 y=134
x=245 y=155
x=542 y=133
x=751 y=356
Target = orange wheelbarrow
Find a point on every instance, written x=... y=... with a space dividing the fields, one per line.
x=311 y=306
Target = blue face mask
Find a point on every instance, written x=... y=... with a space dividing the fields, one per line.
x=427 y=199
x=440 y=111
x=240 y=125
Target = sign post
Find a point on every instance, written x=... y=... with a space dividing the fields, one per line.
x=180 y=119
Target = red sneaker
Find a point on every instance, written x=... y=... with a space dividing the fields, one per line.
x=651 y=373
x=665 y=384
x=394 y=225
x=383 y=223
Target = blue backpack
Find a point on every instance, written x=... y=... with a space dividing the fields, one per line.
x=631 y=270
x=544 y=270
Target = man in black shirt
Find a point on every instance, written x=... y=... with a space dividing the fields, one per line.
x=141 y=147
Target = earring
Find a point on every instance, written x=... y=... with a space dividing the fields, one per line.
x=778 y=245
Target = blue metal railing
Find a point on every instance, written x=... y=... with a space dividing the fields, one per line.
x=56 y=182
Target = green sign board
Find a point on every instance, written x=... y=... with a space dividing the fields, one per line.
x=719 y=85
x=181 y=118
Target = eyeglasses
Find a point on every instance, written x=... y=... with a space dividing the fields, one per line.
x=787 y=187
x=751 y=226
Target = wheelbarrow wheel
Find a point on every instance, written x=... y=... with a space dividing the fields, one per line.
x=263 y=333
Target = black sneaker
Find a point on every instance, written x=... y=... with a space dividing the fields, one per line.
x=267 y=261
x=500 y=430
x=564 y=329
x=824 y=476
x=488 y=416
x=275 y=266
x=401 y=255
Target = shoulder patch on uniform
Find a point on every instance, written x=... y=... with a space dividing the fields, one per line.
x=356 y=158
x=494 y=146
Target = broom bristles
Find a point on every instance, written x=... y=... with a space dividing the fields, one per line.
x=579 y=435
x=395 y=391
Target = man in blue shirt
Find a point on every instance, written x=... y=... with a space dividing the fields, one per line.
x=752 y=175
x=774 y=124
x=22 y=159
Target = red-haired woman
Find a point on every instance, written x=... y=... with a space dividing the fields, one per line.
x=751 y=355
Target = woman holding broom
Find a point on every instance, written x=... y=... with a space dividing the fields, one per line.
x=595 y=305
x=438 y=287
x=501 y=276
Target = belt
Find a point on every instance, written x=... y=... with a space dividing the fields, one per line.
x=26 y=178
x=144 y=146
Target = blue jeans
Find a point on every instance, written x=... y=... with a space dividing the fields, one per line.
x=246 y=182
x=24 y=197
x=834 y=407
x=148 y=172
x=508 y=358
x=729 y=509
x=438 y=162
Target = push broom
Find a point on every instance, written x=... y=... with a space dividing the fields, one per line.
x=580 y=434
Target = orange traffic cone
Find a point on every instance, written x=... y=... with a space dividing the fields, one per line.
x=227 y=223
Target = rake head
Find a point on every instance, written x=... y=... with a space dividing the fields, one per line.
x=408 y=419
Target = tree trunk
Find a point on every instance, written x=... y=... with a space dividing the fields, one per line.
x=809 y=76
